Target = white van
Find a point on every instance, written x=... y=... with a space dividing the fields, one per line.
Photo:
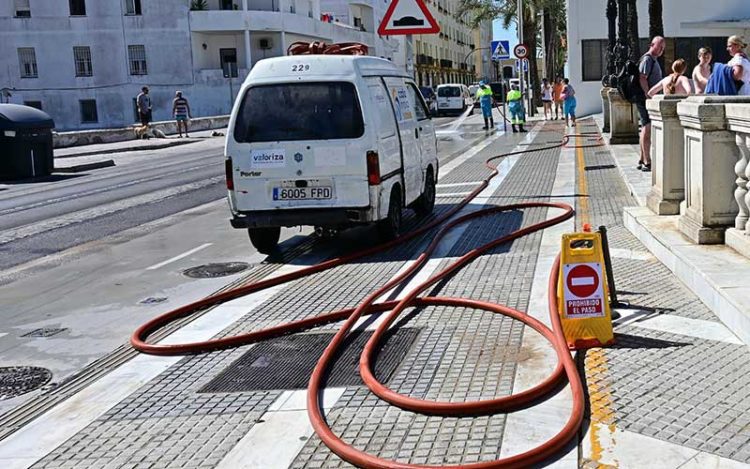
x=454 y=98
x=328 y=141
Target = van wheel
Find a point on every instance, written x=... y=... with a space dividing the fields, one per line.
x=390 y=228
x=426 y=202
x=265 y=240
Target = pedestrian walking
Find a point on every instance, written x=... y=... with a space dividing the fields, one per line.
x=569 y=102
x=515 y=107
x=181 y=113
x=484 y=95
x=547 y=98
x=702 y=71
x=557 y=97
x=143 y=101
x=650 y=75
x=675 y=83
x=736 y=46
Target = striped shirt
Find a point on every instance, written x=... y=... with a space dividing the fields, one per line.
x=180 y=107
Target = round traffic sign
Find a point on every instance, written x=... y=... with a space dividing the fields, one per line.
x=521 y=51
x=583 y=281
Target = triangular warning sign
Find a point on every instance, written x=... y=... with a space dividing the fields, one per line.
x=500 y=50
x=408 y=17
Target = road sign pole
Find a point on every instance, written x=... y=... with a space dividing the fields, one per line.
x=519 y=14
x=410 y=55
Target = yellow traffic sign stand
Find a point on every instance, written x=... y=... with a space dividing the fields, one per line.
x=583 y=292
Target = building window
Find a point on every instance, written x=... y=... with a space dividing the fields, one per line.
x=27 y=62
x=228 y=60
x=34 y=104
x=77 y=7
x=137 y=60
x=88 y=111
x=594 y=59
x=82 y=59
x=132 y=7
x=23 y=9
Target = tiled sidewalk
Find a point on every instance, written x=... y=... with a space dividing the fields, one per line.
x=673 y=391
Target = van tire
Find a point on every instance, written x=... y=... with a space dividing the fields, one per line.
x=265 y=240
x=424 y=206
x=390 y=227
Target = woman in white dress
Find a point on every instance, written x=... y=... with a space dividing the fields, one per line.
x=736 y=46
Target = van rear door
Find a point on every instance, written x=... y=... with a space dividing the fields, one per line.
x=300 y=145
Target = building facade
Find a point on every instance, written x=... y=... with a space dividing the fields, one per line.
x=688 y=26
x=458 y=54
x=84 y=61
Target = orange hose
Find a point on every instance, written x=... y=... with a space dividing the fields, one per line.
x=565 y=366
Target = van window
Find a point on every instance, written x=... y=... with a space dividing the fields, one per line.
x=449 y=92
x=416 y=98
x=383 y=111
x=299 y=111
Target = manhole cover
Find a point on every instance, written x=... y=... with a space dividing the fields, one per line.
x=45 y=332
x=216 y=270
x=18 y=380
x=287 y=362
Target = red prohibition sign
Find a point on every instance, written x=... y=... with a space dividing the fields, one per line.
x=583 y=281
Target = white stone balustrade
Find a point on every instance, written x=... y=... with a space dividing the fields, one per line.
x=667 y=156
x=711 y=154
x=738 y=121
x=605 y=107
x=623 y=118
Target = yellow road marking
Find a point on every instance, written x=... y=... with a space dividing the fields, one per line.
x=602 y=424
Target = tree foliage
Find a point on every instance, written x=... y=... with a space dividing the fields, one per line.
x=542 y=19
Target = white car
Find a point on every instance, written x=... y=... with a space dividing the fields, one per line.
x=454 y=98
x=328 y=141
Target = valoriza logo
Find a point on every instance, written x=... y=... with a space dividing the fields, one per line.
x=267 y=158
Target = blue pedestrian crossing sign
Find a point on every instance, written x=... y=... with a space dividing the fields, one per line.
x=500 y=50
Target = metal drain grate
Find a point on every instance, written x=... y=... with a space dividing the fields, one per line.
x=45 y=332
x=216 y=270
x=287 y=362
x=18 y=380
x=601 y=166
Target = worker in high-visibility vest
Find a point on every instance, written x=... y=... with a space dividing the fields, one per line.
x=484 y=96
x=515 y=106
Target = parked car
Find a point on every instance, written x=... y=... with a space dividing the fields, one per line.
x=454 y=98
x=298 y=151
x=473 y=92
x=428 y=93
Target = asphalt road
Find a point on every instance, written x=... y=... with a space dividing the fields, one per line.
x=47 y=216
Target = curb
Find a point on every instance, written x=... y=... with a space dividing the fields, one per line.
x=85 y=167
x=128 y=150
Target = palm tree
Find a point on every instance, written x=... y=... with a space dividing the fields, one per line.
x=655 y=19
x=488 y=10
x=633 y=35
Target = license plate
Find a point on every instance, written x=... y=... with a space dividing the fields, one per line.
x=302 y=193
x=444 y=104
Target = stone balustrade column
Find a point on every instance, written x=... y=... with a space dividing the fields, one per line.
x=605 y=108
x=711 y=154
x=623 y=118
x=738 y=121
x=667 y=156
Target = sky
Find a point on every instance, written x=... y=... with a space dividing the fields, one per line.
x=500 y=33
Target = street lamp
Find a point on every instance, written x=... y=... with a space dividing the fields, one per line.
x=471 y=52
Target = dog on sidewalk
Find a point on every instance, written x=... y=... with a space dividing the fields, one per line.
x=146 y=132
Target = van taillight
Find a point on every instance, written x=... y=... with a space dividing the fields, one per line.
x=373 y=168
x=230 y=173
